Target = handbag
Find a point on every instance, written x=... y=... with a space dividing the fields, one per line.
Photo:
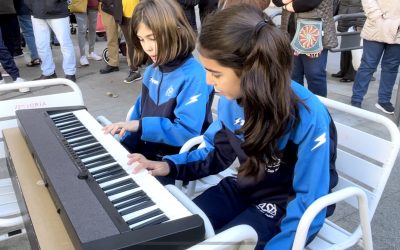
x=78 y=6
x=308 y=37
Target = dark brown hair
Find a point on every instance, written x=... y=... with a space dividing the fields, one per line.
x=244 y=38
x=165 y=18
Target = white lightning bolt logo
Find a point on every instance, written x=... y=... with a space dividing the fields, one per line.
x=239 y=121
x=320 y=140
x=193 y=99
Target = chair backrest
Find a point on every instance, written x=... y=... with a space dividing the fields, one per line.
x=351 y=39
x=8 y=107
x=364 y=160
x=368 y=145
x=8 y=203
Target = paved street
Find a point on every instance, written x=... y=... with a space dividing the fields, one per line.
x=108 y=95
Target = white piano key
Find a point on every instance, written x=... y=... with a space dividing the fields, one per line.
x=60 y=114
x=94 y=157
x=145 y=221
x=85 y=146
x=105 y=184
x=71 y=129
x=139 y=213
x=101 y=167
x=79 y=138
x=123 y=194
x=164 y=200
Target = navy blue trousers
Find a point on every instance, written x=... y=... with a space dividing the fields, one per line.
x=7 y=61
x=226 y=207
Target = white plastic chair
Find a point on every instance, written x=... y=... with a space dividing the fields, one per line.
x=10 y=217
x=364 y=162
x=241 y=237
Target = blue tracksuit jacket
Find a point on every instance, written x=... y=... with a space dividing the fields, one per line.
x=173 y=107
x=305 y=173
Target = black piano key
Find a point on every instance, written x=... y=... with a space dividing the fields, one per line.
x=84 y=141
x=76 y=134
x=133 y=195
x=132 y=202
x=109 y=173
x=69 y=125
x=105 y=168
x=120 y=183
x=79 y=141
x=93 y=153
x=145 y=216
x=63 y=123
x=87 y=146
x=139 y=206
x=113 y=177
x=155 y=221
x=76 y=128
x=121 y=189
x=63 y=118
x=111 y=168
x=99 y=159
x=72 y=131
x=100 y=163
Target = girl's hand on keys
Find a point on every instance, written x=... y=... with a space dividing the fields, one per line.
x=155 y=168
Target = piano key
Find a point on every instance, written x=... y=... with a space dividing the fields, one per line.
x=97 y=158
x=66 y=122
x=137 y=206
x=124 y=196
x=116 y=180
x=121 y=189
x=100 y=164
x=82 y=138
x=110 y=178
x=118 y=183
x=62 y=131
x=81 y=141
x=147 y=213
x=70 y=124
x=110 y=169
x=131 y=202
x=58 y=115
x=90 y=144
x=157 y=220
x=113 y=172
x=91 y=153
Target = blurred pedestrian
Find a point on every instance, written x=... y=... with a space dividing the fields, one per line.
x=312 y=19
x=347 y=71
x=25 y=22
x=86 y=18
x=9 y=65
x=381 y=43
x=52 y=15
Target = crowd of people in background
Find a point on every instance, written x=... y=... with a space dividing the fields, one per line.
x=22 y=19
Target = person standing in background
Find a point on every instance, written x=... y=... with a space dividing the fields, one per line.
x=52 y=15
x=347 y=72
x=313 y=68
x=87 y=21
x=127 y=9
x=106 y=8
x=8 y=62
x=25 y=22
x=188 y=8
x=381 y=43
x=119 y=12
x=10 y=28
